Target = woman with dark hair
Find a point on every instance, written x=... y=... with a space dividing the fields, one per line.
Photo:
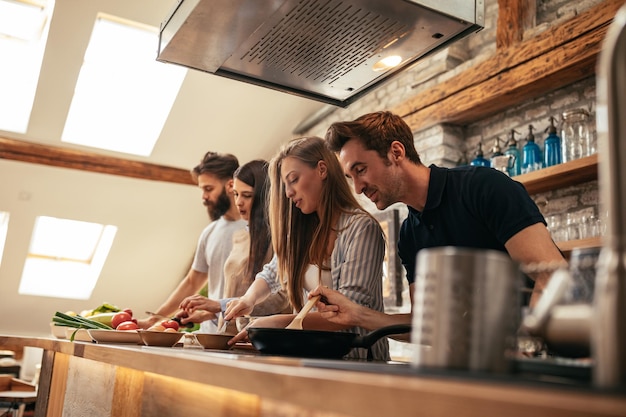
x=252 y=247
x=321 y=236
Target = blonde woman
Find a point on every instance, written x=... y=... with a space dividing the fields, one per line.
x=321 y=236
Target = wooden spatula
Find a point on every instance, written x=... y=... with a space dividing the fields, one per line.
x=296 y=323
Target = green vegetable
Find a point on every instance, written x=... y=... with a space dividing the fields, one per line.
x=104 y=318
x=105 y=308
x=62 y=319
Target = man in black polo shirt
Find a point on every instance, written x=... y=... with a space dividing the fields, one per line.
x=472 y=207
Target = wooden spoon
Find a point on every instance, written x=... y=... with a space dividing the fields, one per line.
x=296 y=323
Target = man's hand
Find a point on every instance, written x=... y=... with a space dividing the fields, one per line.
x=148 y=321
x=337 y=308
x=198 y=302
x=197 y=316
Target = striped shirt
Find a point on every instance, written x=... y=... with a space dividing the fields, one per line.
x=356 y=269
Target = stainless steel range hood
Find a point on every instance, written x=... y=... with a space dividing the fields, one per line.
x=326 y=50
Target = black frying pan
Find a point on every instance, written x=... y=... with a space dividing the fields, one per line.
x=317 y=343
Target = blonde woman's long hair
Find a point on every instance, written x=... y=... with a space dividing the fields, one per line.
x=302 y=239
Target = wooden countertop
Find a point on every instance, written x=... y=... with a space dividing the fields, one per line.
x=344 y=392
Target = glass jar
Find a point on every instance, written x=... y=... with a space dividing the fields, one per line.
x=576 y=135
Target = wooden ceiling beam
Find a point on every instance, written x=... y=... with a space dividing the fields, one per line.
x=35 y=153
x=514 y=17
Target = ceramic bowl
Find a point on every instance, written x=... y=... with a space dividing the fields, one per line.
x=213 y=341
x=80 y=335
x=57 y=331
x=156 y=338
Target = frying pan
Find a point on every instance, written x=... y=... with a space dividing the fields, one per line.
x=317 y=343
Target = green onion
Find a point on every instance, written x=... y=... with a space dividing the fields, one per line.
x=62 y=319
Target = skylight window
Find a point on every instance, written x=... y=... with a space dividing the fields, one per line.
x=23 y=35
x=123 y=95
x=65 y=258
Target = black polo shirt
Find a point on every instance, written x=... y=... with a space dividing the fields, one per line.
x=469 y=206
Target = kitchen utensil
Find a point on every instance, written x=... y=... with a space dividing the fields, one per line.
x=316 y=343
x=222 y=324
x=57 y=331
x=296 y=323
x=466 y=309
x=213 y=341
x=176 y=319
x=79 y=335
x=562 y=317
x=608 y=343
x=115 y=336
x=154 y=338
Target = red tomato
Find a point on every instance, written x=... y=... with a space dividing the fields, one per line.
x=120 y=317
x=128 y=310
x=127 y=325
x=169 y=324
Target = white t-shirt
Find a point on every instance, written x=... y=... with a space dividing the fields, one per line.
x=214 y=246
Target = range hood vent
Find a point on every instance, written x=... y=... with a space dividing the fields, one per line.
x=326 y=50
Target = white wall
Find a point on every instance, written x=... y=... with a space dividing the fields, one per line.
x=158 y=226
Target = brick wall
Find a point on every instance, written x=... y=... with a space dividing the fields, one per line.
x=445 y=145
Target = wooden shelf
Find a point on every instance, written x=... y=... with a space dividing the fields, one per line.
x=516 y=73
x=562 y=175
x=568 y=246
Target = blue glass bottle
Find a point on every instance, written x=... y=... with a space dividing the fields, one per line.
x=531 y=153
x=515 y=167
x=551 y=146
x=480 y=160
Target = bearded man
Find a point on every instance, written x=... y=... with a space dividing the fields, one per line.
x=214 y=176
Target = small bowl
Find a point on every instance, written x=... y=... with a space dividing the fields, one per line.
x=190 y=341
x=156 y=338
x=81 y=335
x=57 y=331
x=214 y=341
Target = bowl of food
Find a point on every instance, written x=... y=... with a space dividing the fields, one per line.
x=57 y=331
x=157 y=338
x=77 y=335
x=214 y=341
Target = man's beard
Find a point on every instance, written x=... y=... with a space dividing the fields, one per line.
x=220 y=207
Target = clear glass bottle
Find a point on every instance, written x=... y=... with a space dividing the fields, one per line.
x=516 y=156
x=576 y=137
x=531 y=153
x=495 y=151
x=551 y=146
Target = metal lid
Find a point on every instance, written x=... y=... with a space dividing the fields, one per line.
x=575 y=113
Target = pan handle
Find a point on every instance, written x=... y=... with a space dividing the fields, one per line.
x=367 y=340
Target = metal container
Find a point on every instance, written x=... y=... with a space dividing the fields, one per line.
x=466 y=310
x=608 y=334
